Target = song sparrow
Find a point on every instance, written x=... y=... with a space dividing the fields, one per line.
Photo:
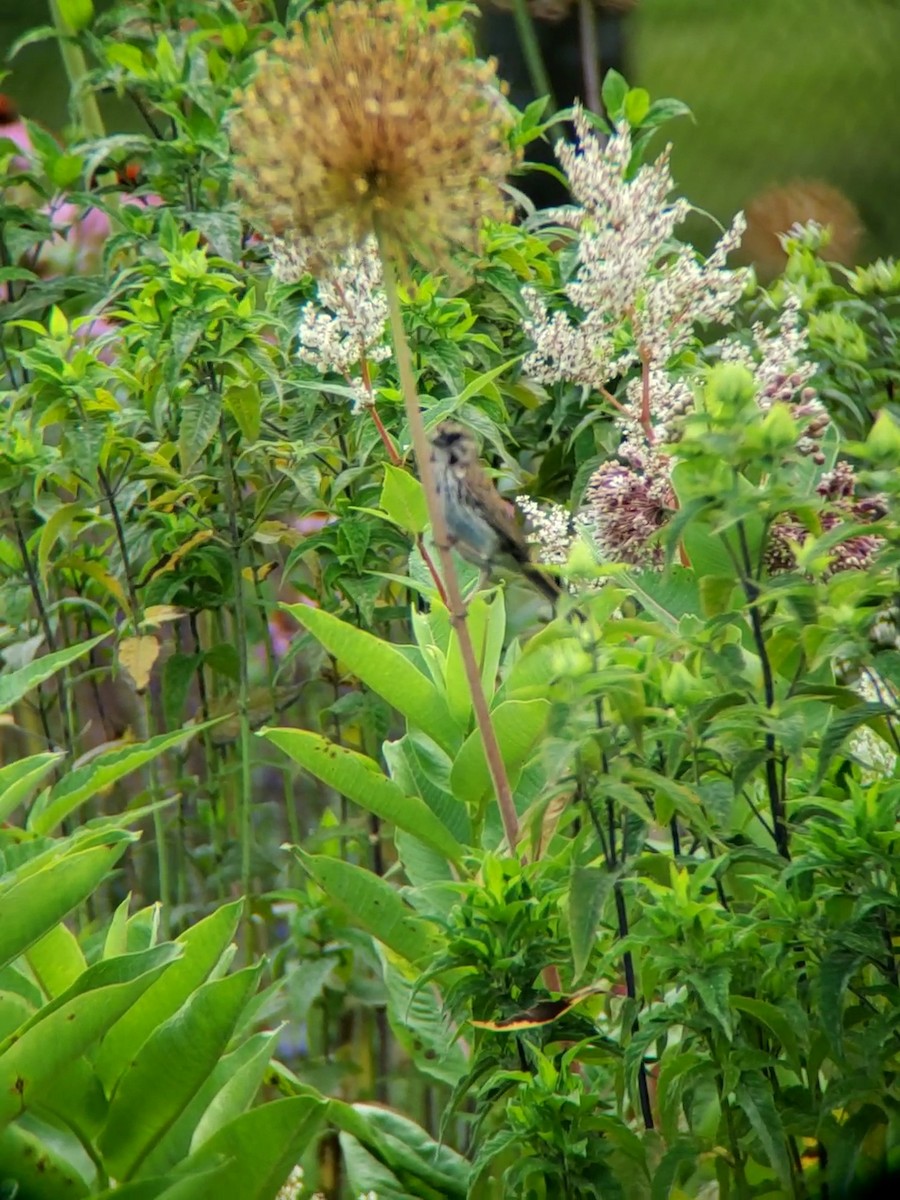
x=478 y=520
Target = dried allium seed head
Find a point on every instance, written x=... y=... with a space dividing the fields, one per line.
x=374 y=117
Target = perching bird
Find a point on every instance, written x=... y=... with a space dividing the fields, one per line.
x=478 y=521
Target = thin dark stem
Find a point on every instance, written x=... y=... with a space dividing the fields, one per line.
x=37 y=594
x=108 y=495
x=631 y=989
x=240 y=620
x=737 y=1157
x=776 y=802
x=143 y=109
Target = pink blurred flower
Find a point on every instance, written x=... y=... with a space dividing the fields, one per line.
x=13 y=127
x=99 y=335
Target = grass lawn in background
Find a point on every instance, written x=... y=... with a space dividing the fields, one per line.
x=781 y=90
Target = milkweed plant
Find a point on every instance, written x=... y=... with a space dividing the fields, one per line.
x=326 y=869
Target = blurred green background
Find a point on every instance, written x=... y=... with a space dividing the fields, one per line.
x=782 y=91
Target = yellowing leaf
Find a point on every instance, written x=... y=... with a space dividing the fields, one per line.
x=95 y=571
x=269 y=533
x=170 y=561
x=158 y=614
x=137 y=656
x=258 y=574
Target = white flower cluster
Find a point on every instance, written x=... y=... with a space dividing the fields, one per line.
x=345 y=324
x=344 y=327
x=878 y=759
x=777 y=359
x=292 y=1188
x=639 y=292
x=551 y=526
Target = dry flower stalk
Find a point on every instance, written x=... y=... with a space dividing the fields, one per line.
x=374 y=115
x=373 y=119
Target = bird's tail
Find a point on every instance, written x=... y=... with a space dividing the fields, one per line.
x=548 y=585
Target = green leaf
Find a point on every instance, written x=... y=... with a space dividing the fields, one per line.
x=684 y=1151
x=477 y=386
x=359 y=778
x=223 y=230
x=841 y=725
x=384 y=669
x=76 y=14
x=518 y=725
x=713 y=988
x=200 y=413
x=411 y=1152
x=20 y=778
x=486 y=621
x=56 y=960
x=665 y=110
x=778 y=1023
x=54 y=1039
x=754 y=1096
x=421 y=1026
x=37 y=1167
x=244 y=405
x=835 y=973
x=116 y=940
x=16 y=684
x=229 y=1090
x=240 y=1079
x=588 y=890
x=37 y=902
x=403 y=500
x=422 y=769
x=367 y=1174
x=171 y=1067
x=262 y=1145
x=373 y=905
x=179 y=672
x=203 y=945
x=84 y=782
x=199 y=1185
x=637 y=105
x=678 y=1070
x=613 y=94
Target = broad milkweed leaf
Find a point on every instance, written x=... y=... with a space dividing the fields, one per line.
x=359 y=778
x=385 y=669
x=373 y=905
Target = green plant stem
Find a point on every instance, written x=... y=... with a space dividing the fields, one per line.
x=531 y=52
x=47 y=629
x=240 y=620
x=290 y=807
x=743 y=1189
x=456 y=605
x=590 y=66
x=776 y=801
x=84 y=102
